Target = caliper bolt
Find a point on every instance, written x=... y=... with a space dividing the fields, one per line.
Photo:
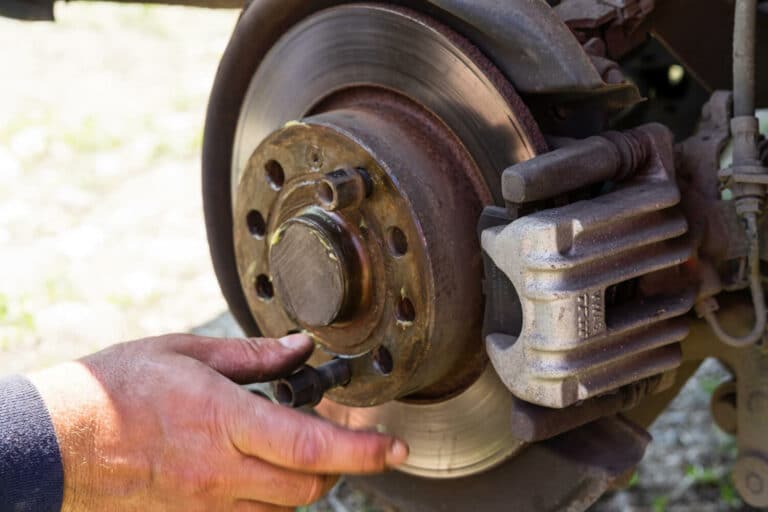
x=308 y=385
x=343 y=188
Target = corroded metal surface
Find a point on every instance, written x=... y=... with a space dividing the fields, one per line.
x=372 y=277
x=435 y=350
x=373 y=45
x=264 y=22
x=371 y=272
x=572 y=264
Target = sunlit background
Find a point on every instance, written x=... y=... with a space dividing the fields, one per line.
x=101 y=226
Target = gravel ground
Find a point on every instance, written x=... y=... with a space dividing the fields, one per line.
x=102 y=230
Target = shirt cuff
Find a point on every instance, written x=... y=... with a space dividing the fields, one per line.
x=31 y=471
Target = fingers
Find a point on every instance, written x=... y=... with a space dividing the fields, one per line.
x=298 y=441
x=246 y=360
x=262 y=481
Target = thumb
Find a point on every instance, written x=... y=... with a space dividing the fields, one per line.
x=247 y=360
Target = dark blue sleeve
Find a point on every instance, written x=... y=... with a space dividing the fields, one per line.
x=31 y=473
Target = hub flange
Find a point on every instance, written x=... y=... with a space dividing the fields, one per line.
x=368 y=244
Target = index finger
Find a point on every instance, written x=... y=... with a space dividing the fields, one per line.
x=295 y=440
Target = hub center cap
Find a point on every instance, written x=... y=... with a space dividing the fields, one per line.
x=311 y=273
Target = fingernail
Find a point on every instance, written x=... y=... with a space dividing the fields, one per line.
x=398 y=452
x=296 y=341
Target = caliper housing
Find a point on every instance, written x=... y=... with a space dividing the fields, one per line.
x=599 y=282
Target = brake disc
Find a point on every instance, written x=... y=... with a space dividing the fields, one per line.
x=337 y=71
x=396 y=49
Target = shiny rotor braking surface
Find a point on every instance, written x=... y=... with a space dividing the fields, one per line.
x=366 y=45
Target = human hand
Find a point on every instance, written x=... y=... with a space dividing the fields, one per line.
x=159 y=424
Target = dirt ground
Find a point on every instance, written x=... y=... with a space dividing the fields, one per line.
x=101 y=225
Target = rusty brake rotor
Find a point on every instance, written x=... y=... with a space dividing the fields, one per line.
x=368 y=143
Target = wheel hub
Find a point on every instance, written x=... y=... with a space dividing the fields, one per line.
x=354 y=246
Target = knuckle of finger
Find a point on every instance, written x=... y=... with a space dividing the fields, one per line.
x=310 y=447
x=204 y=483
x=253 y=348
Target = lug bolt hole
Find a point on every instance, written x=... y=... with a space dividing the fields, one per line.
x=397 y=242
x=256 y=224
x=325 y=193
x=405 y=311
x=264 y=288
x=382 y=361
x=275 y=174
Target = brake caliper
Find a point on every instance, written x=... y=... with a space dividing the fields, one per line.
x=600 y=281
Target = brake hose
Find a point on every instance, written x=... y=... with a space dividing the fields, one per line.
x=756 y=287
x=745 y=21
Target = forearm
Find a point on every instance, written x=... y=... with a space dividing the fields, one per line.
x=31 y=472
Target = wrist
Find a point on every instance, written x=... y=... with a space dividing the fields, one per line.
x=75 y=403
